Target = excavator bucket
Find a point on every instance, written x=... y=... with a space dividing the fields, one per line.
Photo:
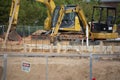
x=14 y=36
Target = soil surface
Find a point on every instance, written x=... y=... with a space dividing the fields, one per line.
x=62 y=69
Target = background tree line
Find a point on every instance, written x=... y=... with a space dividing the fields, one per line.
x=34 y=13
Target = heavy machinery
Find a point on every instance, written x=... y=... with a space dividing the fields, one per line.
x=71 y=18
x=69 y=23
x=103 y=23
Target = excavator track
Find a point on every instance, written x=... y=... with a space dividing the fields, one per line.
x=67 y=36
x=111 y=42
x=74 y=37
x=71 y=36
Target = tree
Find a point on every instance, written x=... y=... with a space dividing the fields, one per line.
x=118 y=14
x=32 y=12
x=4 y=11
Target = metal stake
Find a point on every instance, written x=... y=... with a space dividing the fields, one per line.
x=46 y=67
x=90 y=66
x=5 y=67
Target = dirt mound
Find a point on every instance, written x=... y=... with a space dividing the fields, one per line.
x=38 y=32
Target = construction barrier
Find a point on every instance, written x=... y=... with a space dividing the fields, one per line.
x=59 y=66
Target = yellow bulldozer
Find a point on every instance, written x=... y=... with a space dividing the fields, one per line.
x=103 y=25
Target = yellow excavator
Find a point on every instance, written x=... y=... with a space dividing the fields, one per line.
x=50 y=6
x=69 y=22
x=75 y=26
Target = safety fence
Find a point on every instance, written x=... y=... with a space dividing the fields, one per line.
x=22 y=30
x=59 y=66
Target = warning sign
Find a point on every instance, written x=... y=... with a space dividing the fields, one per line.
x=26 y=66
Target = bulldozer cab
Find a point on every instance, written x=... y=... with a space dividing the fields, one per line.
x=103 y=19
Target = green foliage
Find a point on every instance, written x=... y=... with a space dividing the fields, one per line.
x=118 y=14
x=85 y=6
x=34 y=13
x=4 y=11
x=31 y=12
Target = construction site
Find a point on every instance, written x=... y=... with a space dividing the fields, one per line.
x=67 y=48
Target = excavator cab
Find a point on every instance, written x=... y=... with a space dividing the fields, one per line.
x=71 y=20
x=68 y=19
x=103 y=22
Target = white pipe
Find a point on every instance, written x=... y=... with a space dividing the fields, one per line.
x=87 y=36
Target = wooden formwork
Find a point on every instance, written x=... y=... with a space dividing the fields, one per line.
x=63 y=47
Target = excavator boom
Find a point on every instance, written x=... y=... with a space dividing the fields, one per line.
x=51 y=6
x=15 y=17
x=14 y=11
x=49 y=3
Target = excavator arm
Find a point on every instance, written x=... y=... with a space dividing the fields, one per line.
x=51 y=6
x=81 y=16
x=49 y=3
x=15 y=16
x=56 y=28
